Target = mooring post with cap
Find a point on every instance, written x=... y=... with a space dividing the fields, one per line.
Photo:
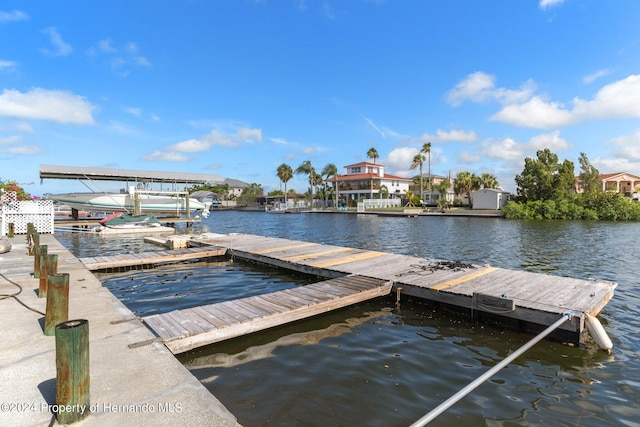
x=72 y=370
x=57 y=302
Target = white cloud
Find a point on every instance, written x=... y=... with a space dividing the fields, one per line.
x=134 y=111
x=43 y=104
x=10 y=140
x=548 y=3
x=13 y=16
x=535 y=113
x=627 y=146
x=399 y=161
x=122 y=58
x=216 y=137
x=481 y=87
x=25 y=150
x=596 y=75
x=60 y=47
x=615 y=100
x=509 y=149
x=452 y=135
x=8 y=65
x=618 y=99
x=164 y=156
x=466 y=157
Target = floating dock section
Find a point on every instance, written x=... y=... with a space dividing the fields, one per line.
x=531 y=301
x=183 y=330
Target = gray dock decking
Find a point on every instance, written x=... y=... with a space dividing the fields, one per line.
x=355 y=275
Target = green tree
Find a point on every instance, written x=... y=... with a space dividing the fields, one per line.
x=488 y=181
x=544 y=178
x=250 y=194
x=418 y=161
x=464 y=183
x=373 y=154
x=426 y=149
x=285 y=173
x=589 y=176
x=306 y=168
x=331 y=171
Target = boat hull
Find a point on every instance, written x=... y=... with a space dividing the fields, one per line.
x=124 y=202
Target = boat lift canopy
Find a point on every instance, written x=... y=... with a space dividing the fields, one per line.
x=107 y=174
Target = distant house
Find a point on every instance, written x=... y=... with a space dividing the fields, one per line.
x=619 y=182
x=366 y=180
x=235 y=187
x=431 y=197
x=489 y=198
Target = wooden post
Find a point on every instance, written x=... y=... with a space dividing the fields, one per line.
x=72 y=371
x=57 y=302
x=12 y=229
x=48 y=266
x=137 y=208
x=38 y=251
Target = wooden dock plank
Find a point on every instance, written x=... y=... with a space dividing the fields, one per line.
x=153 y=257
x=183 y=330
x=538 y=298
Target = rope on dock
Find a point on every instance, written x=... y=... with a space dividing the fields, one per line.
x=471 y=386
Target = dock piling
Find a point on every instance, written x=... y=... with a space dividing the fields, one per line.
x=57 y=302
x=38 y=251
x=48 y=266
x=72 y=371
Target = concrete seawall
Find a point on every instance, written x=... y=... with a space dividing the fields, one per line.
x=139 y=386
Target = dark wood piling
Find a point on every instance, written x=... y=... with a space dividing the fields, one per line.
x=38 y=251
x=72 y=371
x=48 y=266
x=57 y=302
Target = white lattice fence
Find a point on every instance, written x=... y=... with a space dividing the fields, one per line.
x=20 y=213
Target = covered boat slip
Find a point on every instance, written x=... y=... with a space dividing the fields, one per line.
x=534 y=301
x=124 y=175
x=141 y=195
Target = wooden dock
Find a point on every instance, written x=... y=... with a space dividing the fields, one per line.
x=149 y=258
x=183 y=330
x=531 y=301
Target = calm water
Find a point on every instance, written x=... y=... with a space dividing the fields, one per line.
x=378 y=364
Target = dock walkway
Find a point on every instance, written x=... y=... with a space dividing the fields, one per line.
x=183 y=330
x=532 y=299
x=139 y=386
x=152 y=257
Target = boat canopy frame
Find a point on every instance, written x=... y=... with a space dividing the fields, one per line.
x=124 y=175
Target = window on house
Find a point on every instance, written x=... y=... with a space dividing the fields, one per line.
x=356 y=169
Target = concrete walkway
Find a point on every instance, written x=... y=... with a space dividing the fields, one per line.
x=143 y=386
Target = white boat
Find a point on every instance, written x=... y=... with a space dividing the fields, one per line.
x=155 y=202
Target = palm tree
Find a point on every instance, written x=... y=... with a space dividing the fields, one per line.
x=426 y=149
x=373 y=154
x=418 y=160
x=285 y=173
x=331 y=170
x=306 y=168
x=488 y=181
x=466 y=182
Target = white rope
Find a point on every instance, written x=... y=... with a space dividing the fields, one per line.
x=471 y=386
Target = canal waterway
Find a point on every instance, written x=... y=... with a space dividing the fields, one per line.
x=385 y=364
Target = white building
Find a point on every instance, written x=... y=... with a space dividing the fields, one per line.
x=366 y=180
x=489 y=198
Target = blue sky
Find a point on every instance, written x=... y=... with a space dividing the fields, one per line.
x=237 y=87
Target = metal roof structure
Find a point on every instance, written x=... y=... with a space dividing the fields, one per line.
x=107 y=174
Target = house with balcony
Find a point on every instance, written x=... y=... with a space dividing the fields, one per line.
x=367 y=180
x=618 y=182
